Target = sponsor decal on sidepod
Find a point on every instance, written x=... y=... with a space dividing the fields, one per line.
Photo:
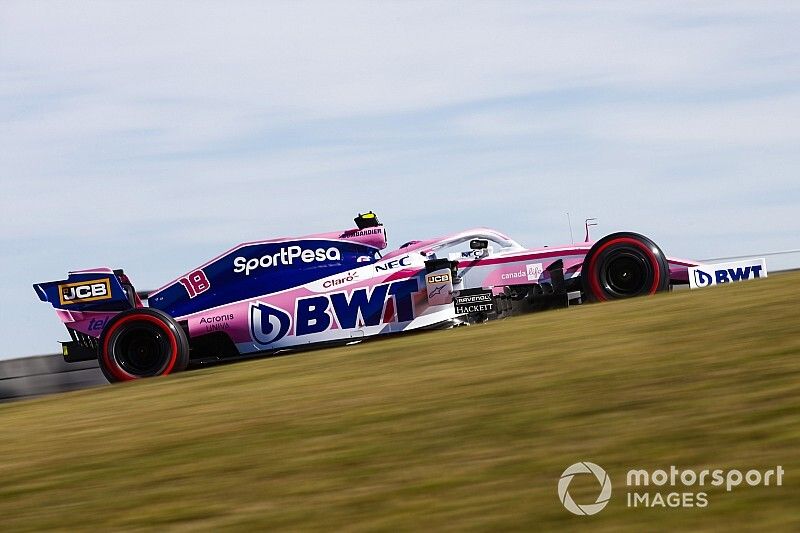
x=267 y=323
x=315 y=314
x=217 y=322
x=534 y=271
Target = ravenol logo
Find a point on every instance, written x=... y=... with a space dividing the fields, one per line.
x=717 y=274
x=584 y=468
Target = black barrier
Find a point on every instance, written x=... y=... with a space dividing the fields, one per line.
x=28 y=377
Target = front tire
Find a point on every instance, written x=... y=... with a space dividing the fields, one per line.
x=142 y=343
x=624 y=265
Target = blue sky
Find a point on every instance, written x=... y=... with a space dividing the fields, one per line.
x=151 y=136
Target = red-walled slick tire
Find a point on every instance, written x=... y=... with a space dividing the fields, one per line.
x=142 y=343
x=624 y=265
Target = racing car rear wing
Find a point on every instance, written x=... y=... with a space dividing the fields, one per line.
x=99 y=289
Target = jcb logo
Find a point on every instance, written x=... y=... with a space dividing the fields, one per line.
x=438 y=278
x=85 y=291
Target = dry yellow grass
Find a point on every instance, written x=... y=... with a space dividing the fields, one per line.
x=461 y=429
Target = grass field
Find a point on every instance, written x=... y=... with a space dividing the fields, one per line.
x=461 y=429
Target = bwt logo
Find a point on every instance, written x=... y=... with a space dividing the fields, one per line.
x=727 y=275
x=268 y=324
x=709 y=275
x=703 y=279
x=316 y=314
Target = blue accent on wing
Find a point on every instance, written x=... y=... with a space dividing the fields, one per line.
x=118 y=300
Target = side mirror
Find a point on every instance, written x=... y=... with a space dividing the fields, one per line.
x=479 y=244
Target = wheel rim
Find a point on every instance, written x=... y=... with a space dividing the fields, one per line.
x=141 y=350
x=625 y=273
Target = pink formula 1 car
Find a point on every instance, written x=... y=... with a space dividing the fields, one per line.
x=286 y=294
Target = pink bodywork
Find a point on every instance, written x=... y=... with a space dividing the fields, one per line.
x=510 y=265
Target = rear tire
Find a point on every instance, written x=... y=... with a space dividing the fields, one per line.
x=624 y=265
x=142 y=343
